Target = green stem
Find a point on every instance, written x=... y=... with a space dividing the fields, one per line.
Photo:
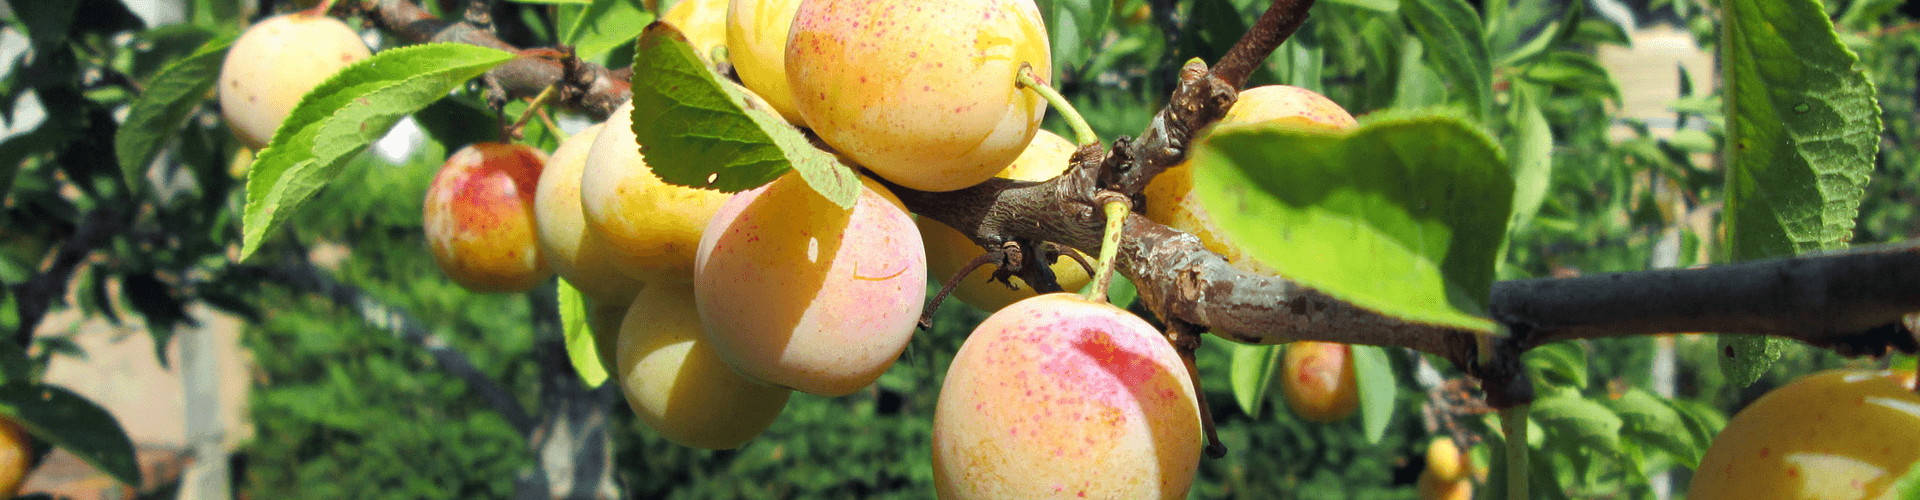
x=532 y=107
x=1513 y=422
x=1082 y=134
x=1116 y=210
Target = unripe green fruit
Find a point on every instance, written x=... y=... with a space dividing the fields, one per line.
x=577 y=253
x=921 y=92
x=1057 y=396
x=757 y=42
x=276 y=62
x=654 y=225
x=800 y=293
x=479 y=218
x=675 y=383
x=1838 y=434
x=1318 y=380
x=1170 y=198
x=948 y=250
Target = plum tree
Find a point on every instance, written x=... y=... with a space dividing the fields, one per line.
x=578 y=253
x=923 y=92
x=1060 y=396
x=16 y=456
x=800 y=293
x=1170 y=198
x=1318 y=380
x=703 y=22
x=274 y=63
x=948 y=250
x=480 y=220
x=1833 y=434
x=757 y=42
x=675 y=382
x=654 y=225
x=1445 y=477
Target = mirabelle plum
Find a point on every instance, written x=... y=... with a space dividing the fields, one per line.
x=16 y=457
x=578 y=254
x=1445 y=477
x=654 y=225
x=276 y=62
x=703 y=22
x=1318 y=380
x=1059 y=396
x=757 y=41
x=948 y=250
x=1832 y=435
x=479 y=218
x=800 y=293
x=921 y=92
x=1170 y=197
x=1445 y=461
x=678 y=386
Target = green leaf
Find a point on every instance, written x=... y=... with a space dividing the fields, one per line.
x=1404 y=215
x=595 y=27
x=1573 y=71
x=696 y=132
x=1252 y=373
x=1648 y=420
x=1802 y=133
x=1418 y=85
x=1457 y=46
x=1383 y=6
x=1074 y=27
x=344 y=115
x=581 y=348
x=46 y=23
x=1557 y=364
x=1579 y=422
x=75 y=424
x=1374 y=372
x=14 y=363
x=1532 y=161
x=163 y=107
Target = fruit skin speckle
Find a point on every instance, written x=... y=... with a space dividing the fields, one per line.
x=874 y=81
x=1058 y=396
x=1832 y=435
x=479 y=218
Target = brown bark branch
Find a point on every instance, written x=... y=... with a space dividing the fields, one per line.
x=585 y=86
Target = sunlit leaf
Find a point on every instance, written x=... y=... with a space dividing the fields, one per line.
x=1252 y=373
x=1802 y=133
x=696 y=132
x=581 y=348
x=1403 y=215
x=163 y=107
x=1378 y=386
x=342 y=116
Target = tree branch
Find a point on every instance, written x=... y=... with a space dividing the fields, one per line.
x=583 y=85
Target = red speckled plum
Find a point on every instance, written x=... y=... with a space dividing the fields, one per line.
x=1057 y=396
x=479 y=218
x=800 y=293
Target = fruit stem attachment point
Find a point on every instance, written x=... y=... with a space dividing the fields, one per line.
x=1116 y=206
x=1513 y=423
x=1082 y=133
x=546 y=94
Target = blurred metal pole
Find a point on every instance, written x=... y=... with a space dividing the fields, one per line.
x=207 y=475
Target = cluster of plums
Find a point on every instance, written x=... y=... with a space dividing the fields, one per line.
x=710 y=308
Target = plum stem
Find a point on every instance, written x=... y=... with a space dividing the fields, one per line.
x=1116 y=207
x=933 y=304
x=1513 y=423
x=539 y=101
x=1082 y=133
